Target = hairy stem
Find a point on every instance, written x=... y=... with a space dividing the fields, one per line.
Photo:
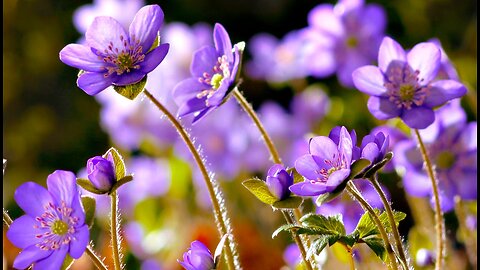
x=220 y=213
x=7 y=220
x=358 y=196
x=440 y=226
x=95 y=259
x=469 y=239
x=297 y=240
x=391 y=219
x=114 y=227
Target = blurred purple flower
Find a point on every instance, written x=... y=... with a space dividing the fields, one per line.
x=308 y=109
x=424 y=258
x=101 y=172
x=394 y=136
x=197 y=257
x=402 y=85
x=278 y=181
x=452 y=147
x=213 y=72
x=54 y=223
x=327 y=165
x=292 y=255
x=344 y=37
x=112 y=56
x=351 y=210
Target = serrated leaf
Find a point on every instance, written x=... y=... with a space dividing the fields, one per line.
x=131 y=91
x=288 y=203
x=376 y=244
x=357 y=168
x=88 y=186
x=376 y=167
x=284 y=227
x=367 y=227
x=317 y=246
x=121 y=182
x=324 y=224
x=260 y=189
x=118 y=163
x=67 y=263
x=89 y=206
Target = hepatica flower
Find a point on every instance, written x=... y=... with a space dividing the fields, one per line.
x=327 y=165
x=54 y=223
x=101 y=172
x=278 y=181
x=403 y=83
x=113 y=56
x=374 y=147
x=213 y=71
x=198 y=257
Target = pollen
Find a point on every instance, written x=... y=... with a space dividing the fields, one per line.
x=59 y=227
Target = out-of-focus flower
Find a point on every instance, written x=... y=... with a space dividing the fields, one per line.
x=278 y=181
x=276 y=60
x=101 y=172
x=344 y=37
x=113 y=56
x=402 y=85
x=53 y=224
x=293 y=257
x=213 y=70
x=424 y=257
x=197 y=257
x=308 y=109
x=326 y=166
x=451 y=144
x=351 y=210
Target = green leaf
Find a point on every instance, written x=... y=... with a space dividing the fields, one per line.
x=155 y=44
x=89 y=205
x=121 y=182
x=260 y=190
x=324 y=225
x=376 y=167
x=131 y=91
x=87 y=185
x=318 y=245
x=119 y=164
x=288 y=203
x=348 y=240
x=326 y=197
x=67 y=263
x=377 y=245
x=367 y=227
x=284 y=227
x=357 y=168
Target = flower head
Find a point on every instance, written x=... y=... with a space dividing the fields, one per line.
x=213 y=70
x=198 y=257
x=101 y=172
x=113 y=56
x=403 y=83
x=327 y=165
x=53 y=224
x=278 y=181
x=374 y=147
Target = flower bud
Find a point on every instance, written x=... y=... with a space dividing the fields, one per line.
x=101 y=173
x=278 y=181
x=198 y=257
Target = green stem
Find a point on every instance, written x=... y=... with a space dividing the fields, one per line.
x=114 y=227
x=6 y=218
x=297 y=240
x=440 y=227
x=469 y=239
x=351 y=261
x=220 y=212
x=358 y=196
x=391 y=219
x=95 y=259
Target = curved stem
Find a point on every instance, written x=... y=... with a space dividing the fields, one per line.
x=358 y=196
x=7 y=220
x=391 y=219
x=114 y=227
x=297 y=240
x=268 y=141
x=220 y=215
x=351 y=261
x=95 y=259
x=440 y=228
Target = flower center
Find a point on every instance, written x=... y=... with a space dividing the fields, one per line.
x=123 y=59
x=59 y=227
x=337 y=163
x=214 y=78
x=352 y=42
x=403 y=86
x=445 y=160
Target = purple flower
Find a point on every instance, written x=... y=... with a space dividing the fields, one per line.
x=424 y=258
x=452 y=146
x=402 y=85
x=446 y=70
x=101 y=172
x=394 y=136
x=374 y=147
x=198 y=257
x=54 y=223
x=278 y=181
x=344 y=37
x=213 y=72
x=327 y=165
x=112 y=56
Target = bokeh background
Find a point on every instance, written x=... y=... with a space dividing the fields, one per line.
x=49 y=123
